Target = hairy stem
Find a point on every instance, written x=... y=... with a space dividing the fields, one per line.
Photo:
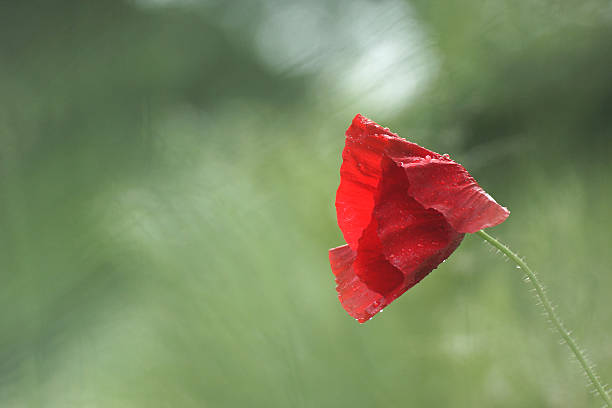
x=550 y=311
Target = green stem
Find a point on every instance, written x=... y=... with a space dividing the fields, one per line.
x=565 y=334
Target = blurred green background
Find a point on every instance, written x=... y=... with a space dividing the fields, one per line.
x=167 y=178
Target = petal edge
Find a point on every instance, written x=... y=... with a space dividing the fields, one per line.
x=447 y=187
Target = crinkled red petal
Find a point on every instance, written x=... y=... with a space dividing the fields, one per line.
x=361 y=171
x=357 y=299
x=436 y=182
x=356 y=196
x=403 y=210
x=447 y=187
x=414 y=239
x=402 y=244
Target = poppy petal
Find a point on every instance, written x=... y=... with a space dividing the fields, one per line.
x=402 y=244
x=363 y=127
x=381 y=141
x=414 y=239
x=359 y=177
x=372 y=266
x=446 y=186
x=436 y=182
x=367 y=143
x=403 y=210
x=355 y=296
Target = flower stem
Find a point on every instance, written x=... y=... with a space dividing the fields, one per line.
x=550 y=311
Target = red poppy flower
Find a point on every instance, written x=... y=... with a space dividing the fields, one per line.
x=403 y=210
